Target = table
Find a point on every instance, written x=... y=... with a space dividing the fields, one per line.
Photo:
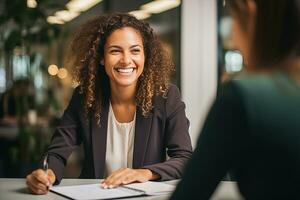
x=15 y=188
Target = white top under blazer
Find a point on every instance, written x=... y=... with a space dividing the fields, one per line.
x=120 y=143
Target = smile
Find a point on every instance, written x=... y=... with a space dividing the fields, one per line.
x=125 y=70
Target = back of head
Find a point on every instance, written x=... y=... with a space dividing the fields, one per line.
x=277 y=29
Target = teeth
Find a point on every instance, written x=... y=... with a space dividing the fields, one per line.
x=125 y=70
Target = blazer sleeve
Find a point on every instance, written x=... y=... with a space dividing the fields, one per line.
x=177 y=138
x=65 y=139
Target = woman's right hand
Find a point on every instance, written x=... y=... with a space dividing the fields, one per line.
x=38 y=181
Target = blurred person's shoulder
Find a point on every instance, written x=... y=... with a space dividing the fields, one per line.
x=259 y=91
x=252 y=79
x=247 y=85
x=273 y=83
x=250 y=82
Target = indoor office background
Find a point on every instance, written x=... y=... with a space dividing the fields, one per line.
x=35 y=87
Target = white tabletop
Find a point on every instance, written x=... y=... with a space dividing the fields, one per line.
x=15 y=188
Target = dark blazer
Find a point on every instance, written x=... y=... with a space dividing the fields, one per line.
x=252 y=130
x=163 y=132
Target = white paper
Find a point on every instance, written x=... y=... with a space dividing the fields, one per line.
x=93 y=191
x=153 y=188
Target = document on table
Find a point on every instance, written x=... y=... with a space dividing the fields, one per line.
x=152 y=188
x=95 y=191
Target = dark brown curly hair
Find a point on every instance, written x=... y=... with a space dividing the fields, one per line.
x=87 y=49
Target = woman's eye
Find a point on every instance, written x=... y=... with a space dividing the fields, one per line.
x=135 y=51
x=114 y=51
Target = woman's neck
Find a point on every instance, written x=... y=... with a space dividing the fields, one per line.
x=123 y=95
x=123 y=102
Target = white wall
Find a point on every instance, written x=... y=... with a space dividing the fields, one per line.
x=198 y=60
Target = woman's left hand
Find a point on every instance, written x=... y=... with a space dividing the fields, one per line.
x=127 y=175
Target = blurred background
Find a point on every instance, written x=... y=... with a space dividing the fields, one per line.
x=35 y=87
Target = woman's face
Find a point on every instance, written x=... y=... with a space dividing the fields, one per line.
x=124 y=57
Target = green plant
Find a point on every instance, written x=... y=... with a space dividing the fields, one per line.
x=20 y=25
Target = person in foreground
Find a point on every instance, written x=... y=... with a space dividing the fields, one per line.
x=253 y=127
x=125 y=112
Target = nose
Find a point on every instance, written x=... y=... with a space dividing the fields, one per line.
x=126 y=58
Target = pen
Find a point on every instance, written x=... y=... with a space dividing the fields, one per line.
x=45 y=167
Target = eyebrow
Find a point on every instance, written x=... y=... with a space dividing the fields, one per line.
x=116 y=46
x=137 y=45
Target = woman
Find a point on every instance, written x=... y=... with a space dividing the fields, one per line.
x=124 y=112
x=253 y=128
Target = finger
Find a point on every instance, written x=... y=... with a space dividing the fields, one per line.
x=126 y=178
x=116 y=173
x=34 y=188
x=38 y=184
x=43 y=180
x=41 y=176
x=116 y=179
x=51 y=176
x=103 y=184
x=112 y=182
x=31 y=182
x=113 y=176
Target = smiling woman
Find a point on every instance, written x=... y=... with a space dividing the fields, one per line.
x=124 y=57
x=125 y=112
x=90 y=48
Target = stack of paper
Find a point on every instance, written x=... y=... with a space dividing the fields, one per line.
x=95 y=191
x=152 y=188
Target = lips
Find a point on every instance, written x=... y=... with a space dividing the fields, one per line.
x=125 y=70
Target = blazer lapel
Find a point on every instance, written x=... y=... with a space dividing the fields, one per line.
x=99 y=137
x=142 y=133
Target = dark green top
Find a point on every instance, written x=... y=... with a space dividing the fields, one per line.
x=253 y=130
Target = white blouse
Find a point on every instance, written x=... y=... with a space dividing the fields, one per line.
x=120 y=143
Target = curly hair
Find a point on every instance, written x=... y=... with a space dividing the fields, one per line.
x=87 y=49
